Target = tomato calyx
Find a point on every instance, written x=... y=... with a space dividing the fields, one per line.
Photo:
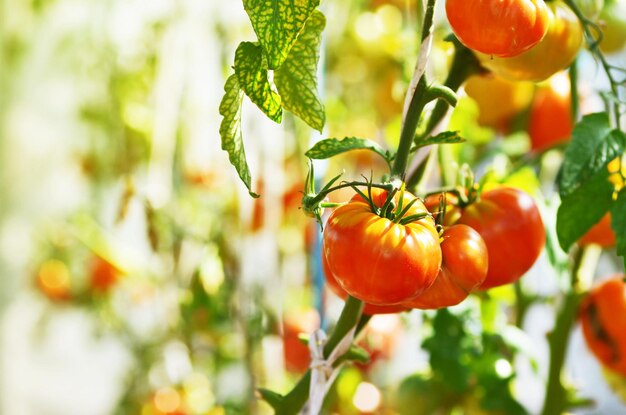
x=389 y=209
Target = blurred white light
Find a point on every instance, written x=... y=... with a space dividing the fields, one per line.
x=367 y=397
x=503 y=368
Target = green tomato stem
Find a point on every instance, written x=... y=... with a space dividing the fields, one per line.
x=556 y=401
x=573 y=82
x=416 y=106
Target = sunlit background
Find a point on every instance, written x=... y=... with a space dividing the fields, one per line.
x=136 y=274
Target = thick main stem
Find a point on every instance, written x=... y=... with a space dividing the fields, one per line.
x=418 y=98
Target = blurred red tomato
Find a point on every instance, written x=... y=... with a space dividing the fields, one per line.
x=296 y=354
x=102 y=274
x=550 y=119
x=600 y=234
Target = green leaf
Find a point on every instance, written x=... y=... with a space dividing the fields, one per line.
x=277 y=23
x=618 y=222
x=330 y=147
x=583 y=208
x=230 y=130
x=296 y=79
x=593 y=146
x=252 y=75
x=446 y=137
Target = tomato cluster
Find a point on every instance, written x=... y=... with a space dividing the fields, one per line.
x=603 y=320
x=393 y=266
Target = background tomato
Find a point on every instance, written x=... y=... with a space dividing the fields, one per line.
x=555 y=52
x=613 y=24
x=498 y=27
x=296 y=353
x=600 y=234
x=53 y=280
x=369 y=309
x=550 y=119
x=603 y=319
x=379 y=261
x=463 y=268
x=103 y=275
x=510 y=224
x=498 y=99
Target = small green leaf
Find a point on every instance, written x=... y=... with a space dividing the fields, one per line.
x=583 y=208
x=274 y=399
x=330 y=147
x=296 y=79
x=277 y=24
x=593 y=146
x=230 y=130
x=446 y=137
x=618 y=222
x=252 y=75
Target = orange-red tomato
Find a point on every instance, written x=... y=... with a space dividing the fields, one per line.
x=379 y=261
x=463 y=269
x=603 y=318
x=550 y=119
x=103 y=275
x=510 y=224
x=600 y=234
x=369 y=309
x=498 y=27
x=498 y=99
x=555 y=52
x=296 y=354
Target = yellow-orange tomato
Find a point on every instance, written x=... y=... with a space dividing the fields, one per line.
x=555 y=52
x=463 y=269
x=498 y=99
x=550 y=119
x=53 y=280
x=603 y=318
x=498 y=27
x=600 y=234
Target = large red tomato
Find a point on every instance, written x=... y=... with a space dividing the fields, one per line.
x=603 y=318
x=600 y=234
x=463 y=269
x=550 y=118
x=510 y=224
x=377 y=260
x=498 y=27
x=555 y=52
x=369 y=309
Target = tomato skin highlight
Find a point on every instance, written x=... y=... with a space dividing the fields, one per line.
x=553 y=53
x=463 y=269
x=510 y=224
x=368 y=309
x=600 y=234
x=498 y=27
x=376 y=260
x=603 y=321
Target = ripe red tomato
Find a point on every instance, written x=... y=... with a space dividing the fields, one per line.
x=296 y=354
x=555 y=52
x=498 y=27
x=369 y=309
x=103 y=275
x=463 y=269
x=550 y=119
x=377 y=260
x=603 y=319
x=600 y=234
x=498 y=99
x=510 y=224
